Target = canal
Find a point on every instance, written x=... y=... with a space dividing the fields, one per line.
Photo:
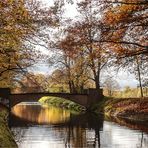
x=36 y=126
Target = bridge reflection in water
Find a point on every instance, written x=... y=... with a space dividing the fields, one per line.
x=54 y=123
x=34 y=113
x=37 y=126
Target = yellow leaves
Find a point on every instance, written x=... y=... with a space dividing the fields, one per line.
x=25 y=14
x=12 y=30
x=15 y=21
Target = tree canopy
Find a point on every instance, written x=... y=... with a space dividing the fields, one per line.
x=104 y=33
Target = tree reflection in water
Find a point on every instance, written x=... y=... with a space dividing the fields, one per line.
x=76 y=130
x=84 y=131
x=135 y=125
x=34 y=125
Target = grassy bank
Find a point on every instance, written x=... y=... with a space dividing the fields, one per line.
x=131 y=108
x=60 y=102
x=6 y=138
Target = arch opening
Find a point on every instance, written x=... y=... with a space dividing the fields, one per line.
x=61 y=102
x=35 y=97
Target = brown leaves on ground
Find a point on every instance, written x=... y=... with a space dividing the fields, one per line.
x=126 y=107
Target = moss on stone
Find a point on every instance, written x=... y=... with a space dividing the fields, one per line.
x=60 y=102
x=6 y=137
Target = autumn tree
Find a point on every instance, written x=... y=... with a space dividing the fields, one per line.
x=83 y=56
x=13 y=17
x=71 y=64
x=125 y=25
x=86 y=33
x=21 y=23
x=125 y=33
x=31 y=82
x=57 y=81
x=111 y=85
x=139 y=68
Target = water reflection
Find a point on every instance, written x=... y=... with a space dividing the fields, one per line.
x=38 y=127
x=132 y=124
x=36 y=114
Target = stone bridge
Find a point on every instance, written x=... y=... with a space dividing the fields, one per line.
x=81 y=99
x=86 y=100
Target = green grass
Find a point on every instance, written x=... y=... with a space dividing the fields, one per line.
x=60 y=102
x=6 y=138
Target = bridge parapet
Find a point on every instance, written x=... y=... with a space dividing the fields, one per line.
x=81 y=99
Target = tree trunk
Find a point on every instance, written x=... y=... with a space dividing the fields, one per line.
x=73 y=87
x=139 y=76
x=97 y=78
x=70 y=86
x=97 y=83
x=81 y=88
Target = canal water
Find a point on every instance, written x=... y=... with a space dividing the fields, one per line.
x=36 y=126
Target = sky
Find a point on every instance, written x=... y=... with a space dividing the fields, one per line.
x=124 y=78
x=70 y=8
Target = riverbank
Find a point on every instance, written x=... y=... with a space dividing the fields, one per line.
x=127 y=108
x=6 y=138
x=130 y=108
x=60 y=102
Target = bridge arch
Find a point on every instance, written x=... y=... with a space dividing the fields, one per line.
x=81 y=99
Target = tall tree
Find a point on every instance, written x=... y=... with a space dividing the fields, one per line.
x=84 y=56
